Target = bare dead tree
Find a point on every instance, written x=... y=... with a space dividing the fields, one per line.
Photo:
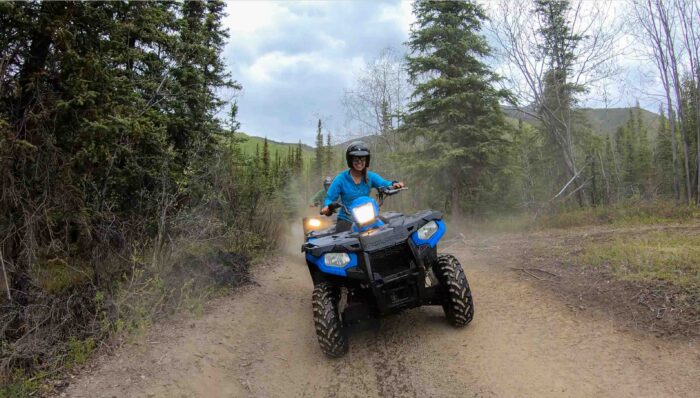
x=688 y=12
x=527 y=69
x=667 y=19
x=658 y=24
x=375 y=105
x=4 y=277
x=651 y=33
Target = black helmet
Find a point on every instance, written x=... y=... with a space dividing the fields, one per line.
x=357 y=148
x=327 y=182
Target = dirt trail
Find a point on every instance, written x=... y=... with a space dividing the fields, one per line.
x=523 y=342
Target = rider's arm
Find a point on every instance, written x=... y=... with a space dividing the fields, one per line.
x=333 y=192
x=318 y=197
x=376 y=181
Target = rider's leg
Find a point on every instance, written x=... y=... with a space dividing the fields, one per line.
x=342 y=225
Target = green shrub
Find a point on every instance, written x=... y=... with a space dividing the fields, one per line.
x=624 y=214
x=666 y=256
x=79 y=350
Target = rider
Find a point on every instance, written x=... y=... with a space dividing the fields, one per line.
x=318 y=197
x=353 y=183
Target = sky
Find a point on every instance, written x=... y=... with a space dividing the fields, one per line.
x=295 y=59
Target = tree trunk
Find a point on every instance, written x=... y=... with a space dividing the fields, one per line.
x=42 y=38
x=671 y=54
x=456 y=194
x=593 y=183
x=674 y=150
x=684 y=136
x=697 y=125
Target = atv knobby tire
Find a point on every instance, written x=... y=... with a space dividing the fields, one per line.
x=457 y=297
x=329 y=327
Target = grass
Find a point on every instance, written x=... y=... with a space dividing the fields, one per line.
x=20 y=385
x=625 y=214
x=79 y=350
x=661 y=256
x=56 y=275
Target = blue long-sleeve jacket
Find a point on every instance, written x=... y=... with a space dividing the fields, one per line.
x=344 y=187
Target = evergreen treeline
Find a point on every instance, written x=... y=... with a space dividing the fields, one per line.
x=456 y=145
x=104 y=106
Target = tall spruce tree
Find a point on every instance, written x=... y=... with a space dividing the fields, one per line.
x=456 y=112
x=663 y=156
x=558 y=95
x=198 y=73
x=320 y=151
x=265 y=160
x=329 y=155
x=298 y=160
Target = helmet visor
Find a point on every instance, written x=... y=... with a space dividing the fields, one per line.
x=358 y=152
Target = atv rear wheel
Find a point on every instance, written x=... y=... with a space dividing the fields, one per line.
x=329 y=328
x=457 y=297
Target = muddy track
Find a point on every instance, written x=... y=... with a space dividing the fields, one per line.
x=523 y=342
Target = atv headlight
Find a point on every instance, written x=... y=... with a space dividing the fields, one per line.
x=336 y=259
x=364 y=214
x=427 y=230
x=314 y=223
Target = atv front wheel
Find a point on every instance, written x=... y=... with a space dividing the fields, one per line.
x=329 y=328
x=457 y=297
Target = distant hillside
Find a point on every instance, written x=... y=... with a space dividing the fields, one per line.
x=251 y=141
x=248 y=146
x=368 y=139
x=608 y=120
x=602 y=120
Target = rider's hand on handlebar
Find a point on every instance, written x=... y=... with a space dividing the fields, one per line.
x=326 y=211
x=398 y=185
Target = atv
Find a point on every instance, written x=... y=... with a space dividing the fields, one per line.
x=387 y=263
x=316 y=223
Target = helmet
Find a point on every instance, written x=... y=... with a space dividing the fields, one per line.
x=357 y=148
x=327 y=182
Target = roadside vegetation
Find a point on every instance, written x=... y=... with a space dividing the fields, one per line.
x=122 y=198
x=667 y=256
x=629 y=213
x=637 y=262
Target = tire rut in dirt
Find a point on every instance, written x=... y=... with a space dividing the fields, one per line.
x=329 y=328
x=382 y=362
x=459 y=306
x=350 y=379
x=392 y=358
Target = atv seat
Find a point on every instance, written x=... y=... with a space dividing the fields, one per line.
x=322 y=232
x=389 y=215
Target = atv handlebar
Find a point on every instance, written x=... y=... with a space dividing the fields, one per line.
x=382 y=192
x=332 y=208
x=390 y=191
x=386 y=191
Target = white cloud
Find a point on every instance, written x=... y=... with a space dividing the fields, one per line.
x=402 y=15
x=294 y=59
x=247 y=17
x=273 y=66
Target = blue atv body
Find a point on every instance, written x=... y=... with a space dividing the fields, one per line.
x=387 y=263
